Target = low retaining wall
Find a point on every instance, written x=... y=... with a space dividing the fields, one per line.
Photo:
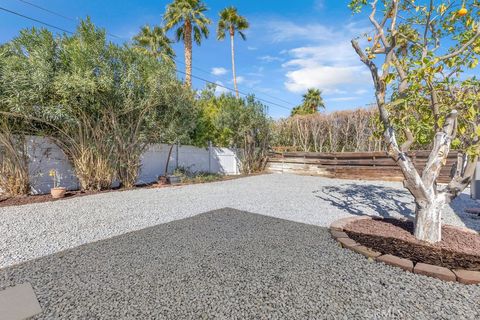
x=44 y=155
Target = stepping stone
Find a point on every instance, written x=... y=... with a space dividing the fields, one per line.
x=18 y=302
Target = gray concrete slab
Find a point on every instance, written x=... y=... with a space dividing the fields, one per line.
x=18 y=302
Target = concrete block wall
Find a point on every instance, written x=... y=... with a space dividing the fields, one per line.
x=44 y=155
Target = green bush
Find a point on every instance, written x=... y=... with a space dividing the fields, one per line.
x=187 y=176
x=101 y=103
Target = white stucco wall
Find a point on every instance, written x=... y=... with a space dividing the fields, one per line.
x=45 y=155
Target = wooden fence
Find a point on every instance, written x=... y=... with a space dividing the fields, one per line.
x=351 y=165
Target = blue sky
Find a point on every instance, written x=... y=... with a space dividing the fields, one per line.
x=291 y=45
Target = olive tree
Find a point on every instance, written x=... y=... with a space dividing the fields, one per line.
x=420 y=55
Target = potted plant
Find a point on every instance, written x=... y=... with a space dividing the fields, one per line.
x=56 y=192
x=174 y=179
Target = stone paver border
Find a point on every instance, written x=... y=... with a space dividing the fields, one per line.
x=337 y=230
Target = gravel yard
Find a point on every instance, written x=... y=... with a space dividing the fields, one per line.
x=229 y=264
x=36 y=230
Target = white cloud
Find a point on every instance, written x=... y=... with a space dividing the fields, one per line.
x=327 y=67
x=241 y=80
x=361 y=91
x=220 y=90
x=283 y=30
x=269 y=58
x=330 y=54
x=219 y=71
x=340 y=99
x=252 y=48
x=325 y=78
x=327 y=60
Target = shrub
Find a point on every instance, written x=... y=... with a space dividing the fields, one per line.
x=14 y=174
x=228 y=121
x=187 y=176
x=101 y=103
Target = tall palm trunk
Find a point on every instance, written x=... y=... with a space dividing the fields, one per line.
x=188 y=53
x=232 y=33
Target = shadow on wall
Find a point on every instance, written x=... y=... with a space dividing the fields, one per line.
x=368 y=199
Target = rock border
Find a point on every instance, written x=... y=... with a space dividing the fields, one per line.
x=337 y=230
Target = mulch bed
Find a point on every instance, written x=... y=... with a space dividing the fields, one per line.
x=457 y=250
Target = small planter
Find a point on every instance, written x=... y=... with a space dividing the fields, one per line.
x=58 y=193
x=174 y=180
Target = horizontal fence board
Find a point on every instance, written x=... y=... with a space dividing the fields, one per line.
x=353 y=165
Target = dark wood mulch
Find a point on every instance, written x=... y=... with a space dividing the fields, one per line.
x=457 y=250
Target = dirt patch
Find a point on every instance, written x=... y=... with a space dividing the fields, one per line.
x=457 y=250
x=18 y=201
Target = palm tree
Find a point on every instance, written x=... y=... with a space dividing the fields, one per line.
x=312 y=100
x=231 y=22
x=156 y=43
x=189 y=16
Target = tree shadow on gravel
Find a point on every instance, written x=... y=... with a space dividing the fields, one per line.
x=360 y=200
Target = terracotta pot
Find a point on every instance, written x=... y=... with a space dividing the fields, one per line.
x=58 y=193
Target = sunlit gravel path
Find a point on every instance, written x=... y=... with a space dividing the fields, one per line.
x=36 y=230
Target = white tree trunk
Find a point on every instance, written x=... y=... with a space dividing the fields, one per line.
x=428 y=219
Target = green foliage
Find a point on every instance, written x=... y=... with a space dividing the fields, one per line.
x=231 y=22
x=437 y=48
x=155 y=42
x=187 y=176
x=187 y=15
x=224 y=119
x=14 y=173
x=101 y=103
x=312 y=101
x=232 y=122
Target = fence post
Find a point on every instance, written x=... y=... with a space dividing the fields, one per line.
x=210 y=156
x=475 y=184
x=177 y=155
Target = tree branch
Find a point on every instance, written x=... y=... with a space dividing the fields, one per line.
x=410 y=139
x=440 y=151
x=462 y=48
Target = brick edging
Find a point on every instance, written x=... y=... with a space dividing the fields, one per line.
x=337 y=230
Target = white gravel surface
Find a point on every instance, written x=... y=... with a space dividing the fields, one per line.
x=32 y=231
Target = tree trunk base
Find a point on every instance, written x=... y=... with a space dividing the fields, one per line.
x=428 y=222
